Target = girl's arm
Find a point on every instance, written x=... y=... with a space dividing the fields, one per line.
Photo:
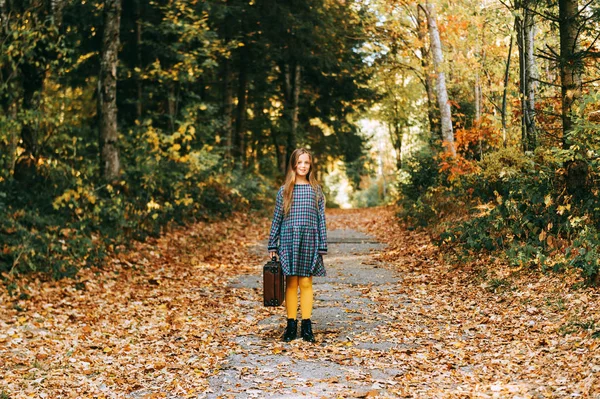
x=322 y=226
x=276 y=224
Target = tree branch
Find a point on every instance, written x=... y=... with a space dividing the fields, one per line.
x=493 y=103
x=543 y=15
x=590 y=81
x=584 y=7
x=593 y=42
x=544 y=82
x=510 y=7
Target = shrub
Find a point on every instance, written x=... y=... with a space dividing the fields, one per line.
x=54 y=218
x=421 y=172
x=531 y=217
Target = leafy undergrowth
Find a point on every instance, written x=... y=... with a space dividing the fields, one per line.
x=161 y=320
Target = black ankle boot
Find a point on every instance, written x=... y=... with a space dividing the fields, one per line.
x=291 y=330
x=306 y=330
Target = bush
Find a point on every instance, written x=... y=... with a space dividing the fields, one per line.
x=38 y=235
x=54 y=218
x=541 y=209
x=426 y=193
x=531 y=216
x=421 y=172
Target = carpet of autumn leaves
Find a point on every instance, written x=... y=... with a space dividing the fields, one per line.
x=161 y=319
x=158 y=319
x=483 y=329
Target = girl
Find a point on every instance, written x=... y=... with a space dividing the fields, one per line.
x=299 y=237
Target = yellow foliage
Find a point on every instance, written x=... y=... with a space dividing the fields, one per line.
x=503 y=164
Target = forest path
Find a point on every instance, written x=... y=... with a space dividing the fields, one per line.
x=182 y=317
x=346 y=317
x=398 y=320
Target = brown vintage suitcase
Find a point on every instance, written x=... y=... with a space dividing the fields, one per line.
x=273 y=283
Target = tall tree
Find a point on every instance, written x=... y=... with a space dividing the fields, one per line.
x=442 y=92
x=571 y=60
x=432 y=108
x=240 y=139
x=525 y=27
x=505 y=91
x=291 y=83
x=107 y=91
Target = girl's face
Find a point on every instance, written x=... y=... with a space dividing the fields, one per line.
x=303 y=165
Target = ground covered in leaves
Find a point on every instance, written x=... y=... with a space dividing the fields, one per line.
x=162 y=320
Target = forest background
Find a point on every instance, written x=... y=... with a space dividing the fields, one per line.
x=121 y=118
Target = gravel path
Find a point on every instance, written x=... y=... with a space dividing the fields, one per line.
x=345 y=308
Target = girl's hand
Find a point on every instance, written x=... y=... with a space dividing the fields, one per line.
x=272 y=254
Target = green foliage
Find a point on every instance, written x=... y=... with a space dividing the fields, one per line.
x=531 y=213
x=422 y=171
x=421 y=188
x=67 y=222
x=36 y=236
x=498 y=284
x=252 y=190
x=500 y=167
x=583 y=253
x=575 y=326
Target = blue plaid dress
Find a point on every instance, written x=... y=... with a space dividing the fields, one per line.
x=300 y=238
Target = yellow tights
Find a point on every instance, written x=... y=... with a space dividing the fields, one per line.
x=291 y=296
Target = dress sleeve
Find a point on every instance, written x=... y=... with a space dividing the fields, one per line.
x=322 y=226
x=276 y=224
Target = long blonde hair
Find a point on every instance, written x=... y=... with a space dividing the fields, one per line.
x=290 y=179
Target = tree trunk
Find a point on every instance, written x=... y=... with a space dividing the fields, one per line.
x=570 y=64
x=239 y=145
x=295 y=111
x=280 y=151
x=570 y=73
x=398 y=143
x=109 y=151
x=258 y=134
x=477 y=123
x=292 y=81
x=442 y=93
x=395 y=130
x=137 y=6
x=33 y=81
x=14 y=142
x=432 y=109
x=477 y=93
x=530 y=82
x=228 y=106
x=525 y=28
x=478 y=90
x=172 y=104
x=505 y=90
x=57 y=11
